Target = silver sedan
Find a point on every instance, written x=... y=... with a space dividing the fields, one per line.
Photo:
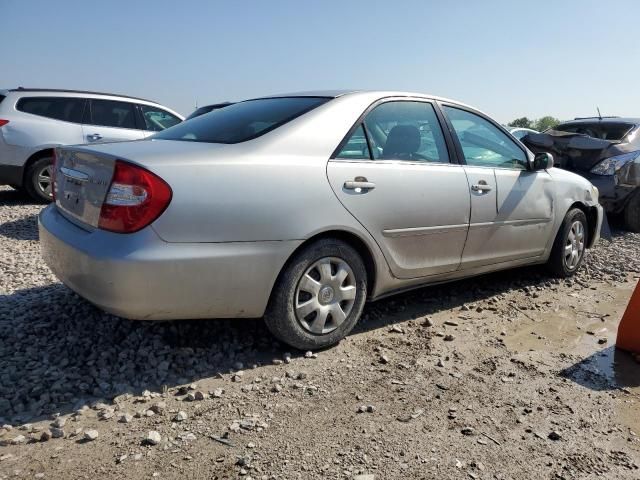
x=299 y=208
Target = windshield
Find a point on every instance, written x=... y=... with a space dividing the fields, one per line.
x=615 y=131
x=241 y=121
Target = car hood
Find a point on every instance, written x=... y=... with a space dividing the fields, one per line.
x=573 y=151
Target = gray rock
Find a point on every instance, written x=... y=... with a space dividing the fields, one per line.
x=555 y=436
x=152 y=438
x=126 y=418
x=181 y=416
x=90 y=435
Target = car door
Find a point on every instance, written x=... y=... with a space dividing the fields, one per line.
x=110 y=121
x=155 y=119
x=393 y=173
x=511 y=205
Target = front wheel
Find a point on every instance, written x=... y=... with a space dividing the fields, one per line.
x=319 y=296
x=569 y=246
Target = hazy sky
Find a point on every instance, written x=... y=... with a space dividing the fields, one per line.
x=508 y=58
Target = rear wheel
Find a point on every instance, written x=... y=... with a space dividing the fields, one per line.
x=319 y=296
x=39 y=180
x=570 y=244
x=632 y=212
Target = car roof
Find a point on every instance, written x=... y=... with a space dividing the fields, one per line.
x=373 y=93
x=86 y=92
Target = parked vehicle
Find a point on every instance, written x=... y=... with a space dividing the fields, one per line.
x=606 y=151
x=301 y=207
x=520 y=132
x=33 y=121
x=207 y=108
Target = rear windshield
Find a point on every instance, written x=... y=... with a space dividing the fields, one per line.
x=602 y=130
x=241 y=121
x=2 y=97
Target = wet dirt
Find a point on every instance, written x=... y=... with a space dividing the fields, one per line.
x=588 y=329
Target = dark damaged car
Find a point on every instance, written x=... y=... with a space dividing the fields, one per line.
x=604 y=150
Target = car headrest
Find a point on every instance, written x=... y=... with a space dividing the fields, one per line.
x=402 y=140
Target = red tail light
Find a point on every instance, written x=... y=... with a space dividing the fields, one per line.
x=3 y=122
x=136 y=198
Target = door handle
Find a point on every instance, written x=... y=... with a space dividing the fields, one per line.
x=94 y=137
x=359 y=183
x=480 y=187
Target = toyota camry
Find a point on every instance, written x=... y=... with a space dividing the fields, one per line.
x=299 y=208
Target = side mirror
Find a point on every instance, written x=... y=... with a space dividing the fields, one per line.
x=543 y=161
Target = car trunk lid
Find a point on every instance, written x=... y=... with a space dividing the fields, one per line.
x=82 y=179
x=84 y=174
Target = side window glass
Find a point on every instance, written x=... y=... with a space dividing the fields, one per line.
x=484 y=144
x=156 y=120
x=58 y=108
x=110 y=113
x=356 y=147
x=405 y=130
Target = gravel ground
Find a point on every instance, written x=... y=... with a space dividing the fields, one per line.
x=510 y=375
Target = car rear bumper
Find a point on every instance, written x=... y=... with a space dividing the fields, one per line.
x=139 y=276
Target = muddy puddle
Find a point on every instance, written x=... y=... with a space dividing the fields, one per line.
x=585 y=327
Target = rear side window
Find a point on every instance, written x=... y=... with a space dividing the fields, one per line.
x=356 y=147
x=2 y=97
x=242 y=121
x=111 y=113
x=156 y=119
x=58 y=108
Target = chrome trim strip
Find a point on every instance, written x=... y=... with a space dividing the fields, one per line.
x=76 y=175
x=515 y=223
x=420 y=231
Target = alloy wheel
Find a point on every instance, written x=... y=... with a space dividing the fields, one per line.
x=325 y=295
x=574 y=246
x=43 y=180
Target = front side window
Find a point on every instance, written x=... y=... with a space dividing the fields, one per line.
x=406 y=130
x=484 y=144
x=111 y=113
x=241 y=121
x=58 y=108
x=156 y=119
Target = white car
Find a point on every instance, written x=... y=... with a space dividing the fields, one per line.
x=35 y=121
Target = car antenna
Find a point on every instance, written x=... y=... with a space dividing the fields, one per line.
x=599 y=114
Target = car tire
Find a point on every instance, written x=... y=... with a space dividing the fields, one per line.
x=632 y=212
x=570 y=244
x=327 y=280
x=35 y=182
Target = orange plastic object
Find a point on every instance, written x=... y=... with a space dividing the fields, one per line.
x=629 y=328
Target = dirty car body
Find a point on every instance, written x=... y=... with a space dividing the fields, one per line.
x=605 y=150
x=402 y=189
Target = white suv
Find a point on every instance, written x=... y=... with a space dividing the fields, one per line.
x=34 y=121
